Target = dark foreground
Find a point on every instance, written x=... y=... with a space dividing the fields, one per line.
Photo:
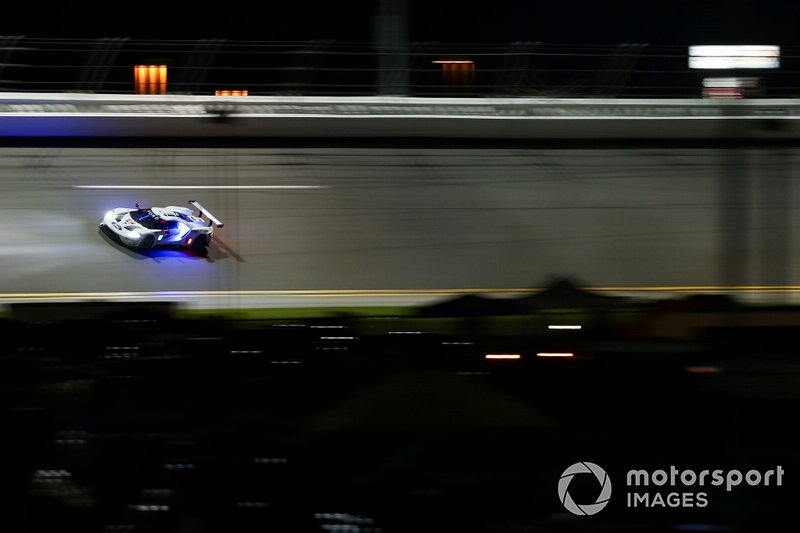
x=139 y=421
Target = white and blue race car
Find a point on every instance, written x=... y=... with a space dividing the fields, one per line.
x=150 y=227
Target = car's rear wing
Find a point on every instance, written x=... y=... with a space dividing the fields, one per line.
x=211 y=218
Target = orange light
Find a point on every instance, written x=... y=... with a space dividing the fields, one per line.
x=555 y=354
x=230 y=93
x=503 y=356
x=457 y=71
x=703 y=369
x=150 y=79
x=152 y=87
x=162 y=79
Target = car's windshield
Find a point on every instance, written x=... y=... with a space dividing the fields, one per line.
x=147 y=218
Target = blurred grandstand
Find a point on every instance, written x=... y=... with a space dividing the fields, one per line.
x=138 y=417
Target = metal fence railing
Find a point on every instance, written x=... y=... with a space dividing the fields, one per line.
x=332 y=68
x=74 y=104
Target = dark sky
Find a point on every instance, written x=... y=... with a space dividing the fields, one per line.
x=656 y=22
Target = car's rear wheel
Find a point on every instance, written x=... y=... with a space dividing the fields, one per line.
x=146 y=242
x=200 y=245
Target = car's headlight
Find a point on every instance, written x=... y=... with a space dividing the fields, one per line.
x=110 y=214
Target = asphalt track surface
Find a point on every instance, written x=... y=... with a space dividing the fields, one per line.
x=399 y=220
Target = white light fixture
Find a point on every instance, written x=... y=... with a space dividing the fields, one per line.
x=734 y=57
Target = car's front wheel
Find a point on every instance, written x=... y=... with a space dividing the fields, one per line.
x=146 y=242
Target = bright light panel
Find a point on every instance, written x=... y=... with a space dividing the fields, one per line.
x=734 y=56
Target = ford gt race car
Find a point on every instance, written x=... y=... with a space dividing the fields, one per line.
x=148 y=227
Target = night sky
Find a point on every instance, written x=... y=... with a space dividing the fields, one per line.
x=580 y=22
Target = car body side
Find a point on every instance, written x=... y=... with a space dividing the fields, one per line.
x=158 y=227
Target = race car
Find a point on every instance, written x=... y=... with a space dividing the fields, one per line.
x=149 y=227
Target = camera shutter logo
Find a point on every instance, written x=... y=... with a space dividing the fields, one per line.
x=584 y=468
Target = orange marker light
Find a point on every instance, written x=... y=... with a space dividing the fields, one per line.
x=457 y=71
x=150 y=79
x=703 y=369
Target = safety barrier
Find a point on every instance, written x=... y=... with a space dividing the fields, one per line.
x=80 y=115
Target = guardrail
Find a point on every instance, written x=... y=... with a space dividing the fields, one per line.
x=25 y=114
x=27 y=103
